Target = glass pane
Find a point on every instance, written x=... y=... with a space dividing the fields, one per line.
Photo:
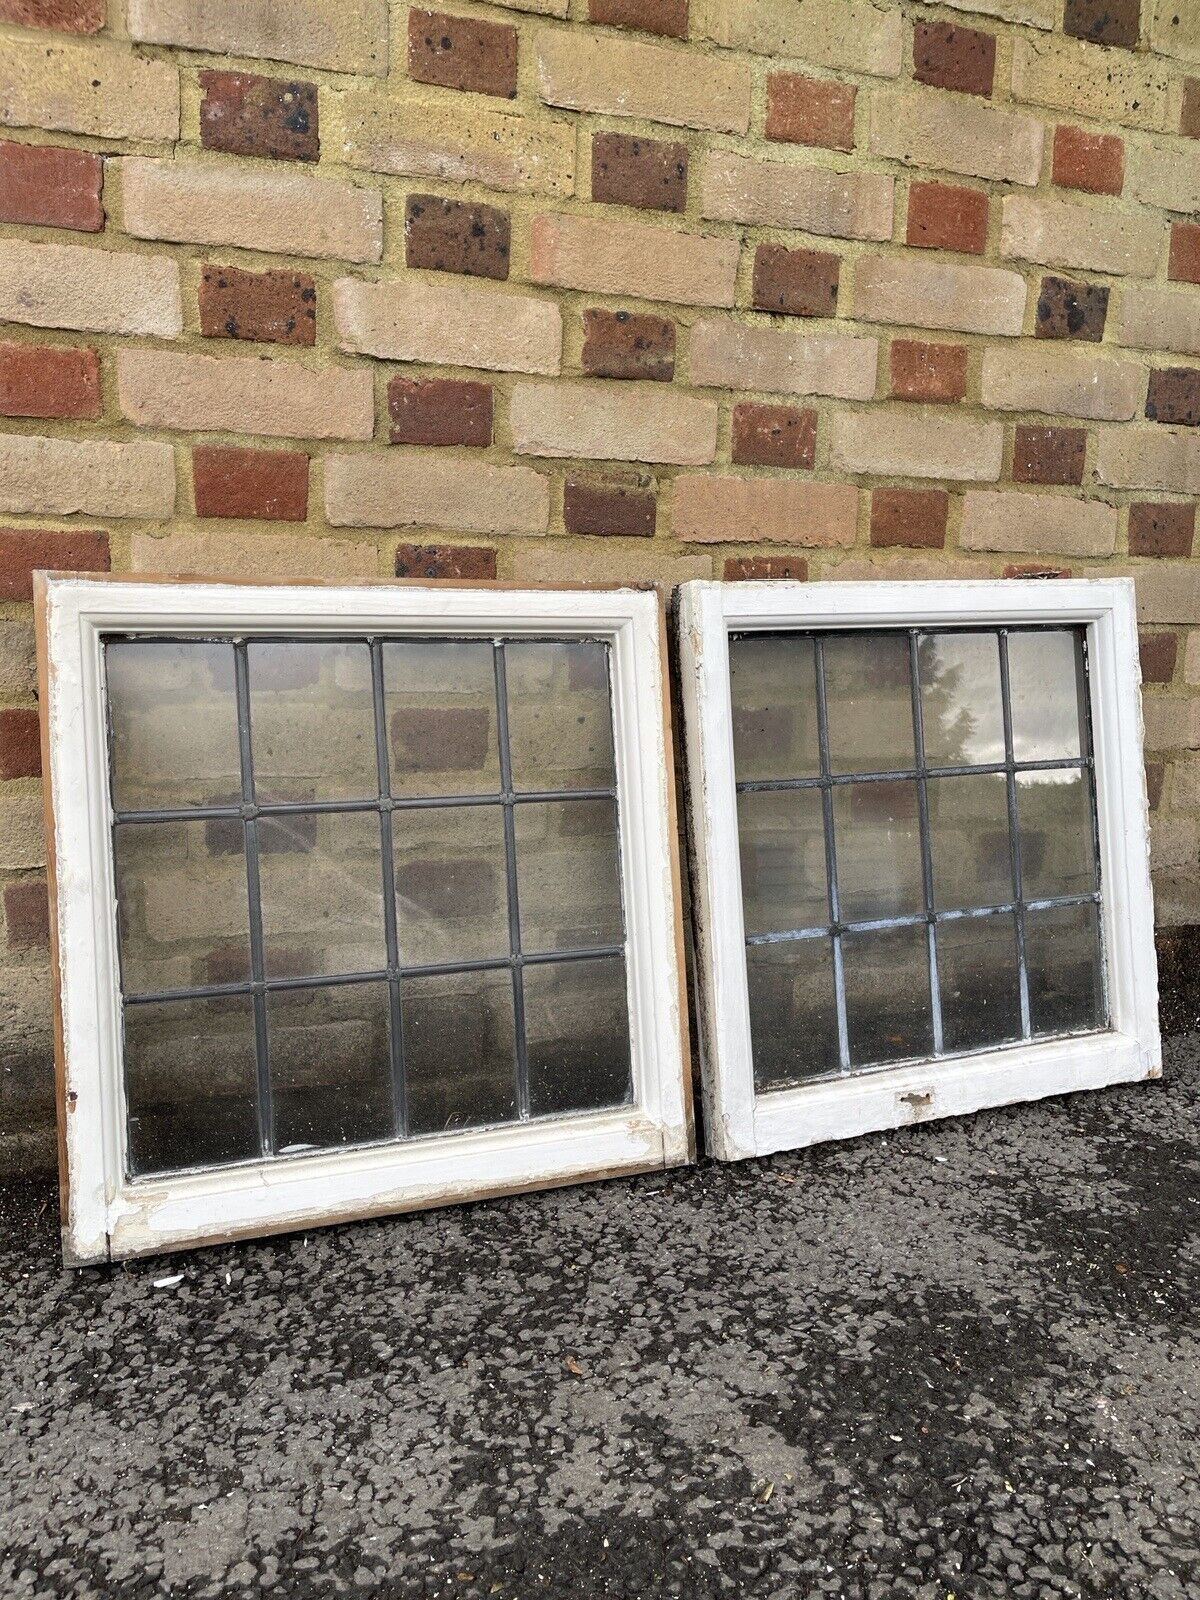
x=887 y=995
x=441 y=714
x=459 y=1051
x=878 y=834
x=182 y=906
x=331 y=1075
x=1045 y=675
x=773 y=683
x=568 y=874
x=782 y=839
x=962 y=705
x=577 y=1031
x=172 y=710
x=977 y=969
x=793 y=1012
x=451 y=887
x=1066 y=987
x=1058 y=855
x=312 y=721
x=868 y=696
x=968 y=837
x=560 y=715
x=322 y=894
x=190 y=1084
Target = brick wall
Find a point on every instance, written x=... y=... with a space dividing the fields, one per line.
x=578 y=289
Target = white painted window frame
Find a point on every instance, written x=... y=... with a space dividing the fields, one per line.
x=106 y=1216
x=739 y=1123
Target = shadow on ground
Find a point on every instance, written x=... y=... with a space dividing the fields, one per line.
x=957 y=1361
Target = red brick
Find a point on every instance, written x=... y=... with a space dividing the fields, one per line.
x=244 y=114
x=456 y=236
x=913 y=517
x=1104 y=21
x=1049 y=455
x=1093 y=162
x=1035 y=569
x=468 y=561
x=1158 y=652
x=947 y=216
x=814 y=111
x=265 y=485
x=1070 y=310
x=667 y=17
x=929 y=372
x=44 y=187
x=605 y=506
x=27 y=914
x=443 y=739
x=799 y=283
x=462 y=53
x=1156 y=771
x=627 y=344
x=739 y=569
x=48 y=381
x=950 y=57
x=20 y=744
x=24 y=551
x=628 y=170
x=1174 y=396
x=773 y=436
x=1189 y=121
x=1165 y=529
x=266 y=307
x=65 y=16
x=1184 y=264
x=440 y=411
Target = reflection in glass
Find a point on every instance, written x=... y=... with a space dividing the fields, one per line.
x=782 y=843
x=322 y=893
x=980 y=988
x=773 y=684
x=440 y=699
x=1066 y=983
x=459 y=1050
x=1058 y=855
x=793 y=1017
x=878 y=833
x=568 y=874
x=312 y=721
x=330 y=1066
x=451 y=889
x=172 y=712
x=888 y=1012
x=1046 y=686
x=868 y=692
x=559 y=714
x=577 y=1026
x=190 y=1084
x=969 y=841
x=962 y=706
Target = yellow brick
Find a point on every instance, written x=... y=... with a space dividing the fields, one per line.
x=725 y=354
x=400 y=488
x=626 y=422
x=781 y=195
x=1037 y=524
x=1159 y=319
x=1149 y=458
x=100 y=291
x=913 y=443
x=600 y=72
x=557 y=562
x=1037 y=13
x=1066 y=382
x=714 y=508
x=851 y=34
x=1062 y=233
x=1162 y=174
x=22 y=832
x=345 y=37
x=956 y=133
x=912 y=291
x=96 y=87
x=633 y=258
x=1085 y=80
x=1175 y=29
x=56 y=477
x=18 y=661
x=224 y=552
x=454 y=323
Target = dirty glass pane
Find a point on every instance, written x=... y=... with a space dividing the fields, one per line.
x=330 y=1066
x=887 y=995
x=980 y=986
x=782 y=840
x=962 y=707
x=559 y=715
x=793 y=1016
x=878 y=834
x=868 y=689
x=172 y=712
x=312 y=721
x=577 y=1026
x=322 y=893
x=459 y=1050
x=969 y=840
x=568 y=874
x=1066 y=989
x=451 y=888
x=1046 y=683
x=773 y=684
x=182 y=908
x=440 y=697
x=1058 y=855
x=190 y=1084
